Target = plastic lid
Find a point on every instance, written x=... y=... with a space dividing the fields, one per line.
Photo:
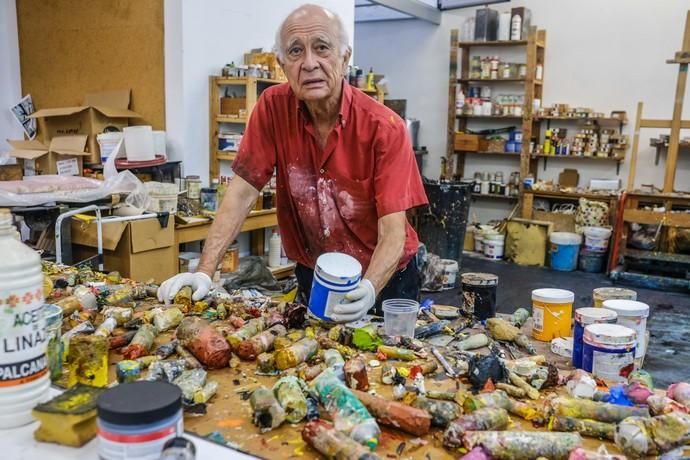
x=550 y=295
x=479 y=279
x=565 y=238
x=627 y=307
x=139 y=403
x=339 y=264
x=589 y=315
x=609 y=334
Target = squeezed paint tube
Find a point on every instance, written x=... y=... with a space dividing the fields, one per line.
x=190 y=382
x=659 y=404
x=184 y=298
x=519 y=317
x=312 y=408
x=431 y=329
x=511 y=390
x=203 y=395
x=499 y=398
x=333 y=358
x=266 y=364
x=87 y=361
x=166 y=370
x=397 y=353
x=406 y=418
x=296 y=353
x=166 y=349
x=642 y=377
x=106 y=327
x=267 y=412
x=204 y=342
x=679 y=392
x=327 y=343
x=282 y=342
x=356 y=374
x=472 y=342
x=146 y=361
x=519 y=382
x=639 y=437
x=333 y=444
x=590 y=428
x=119 y=296
x=167 y=319
x=487 y=419
x=127 y=371
x=289 y=393
x=599 y=411
x=189 y=358
x=445 y=395
x=442 y=412
x=121 y=314
x=141 y=343
x=366 y=338
x=348 y=413
x=121 y=340
x=446 y=365
x=260 y=343
x=249 y=330
x=523 y=445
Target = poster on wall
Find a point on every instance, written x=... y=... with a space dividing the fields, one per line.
x=21 y=112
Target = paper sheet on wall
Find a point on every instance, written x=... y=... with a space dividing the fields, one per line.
x=21 y=112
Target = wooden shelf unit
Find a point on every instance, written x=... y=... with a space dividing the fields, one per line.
x=375 y=93
x=252 y=88
x=493 y=196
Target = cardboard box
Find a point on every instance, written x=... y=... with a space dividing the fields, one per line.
x=108 y=109
x=64 y=155
x=466 y=142
x=138 y=249
x=11 y=172
x=232 y=105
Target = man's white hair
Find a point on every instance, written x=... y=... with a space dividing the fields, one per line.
x=341 y=33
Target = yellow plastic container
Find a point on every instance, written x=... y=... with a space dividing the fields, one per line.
x=552 y=310
x=602 y=294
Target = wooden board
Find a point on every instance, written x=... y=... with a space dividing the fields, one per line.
x=68 y=48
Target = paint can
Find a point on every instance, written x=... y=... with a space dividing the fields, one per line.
x=551 y=313
x=450 y=273
x=494 y=245
x=597 y=238
x=564 y=249
x=136 y=419
x=584 y=317
x=335 y=275
x=478 y=242
x=479 y=294
x=609 y=351
x=599 y=295
x=591 y=261
x=634 y=315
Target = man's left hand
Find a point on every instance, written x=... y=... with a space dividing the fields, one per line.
x=356 y=303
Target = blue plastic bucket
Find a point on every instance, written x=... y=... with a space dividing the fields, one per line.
x=335 y=275
x=564 y=249
x=584 y=317
x=609 y=351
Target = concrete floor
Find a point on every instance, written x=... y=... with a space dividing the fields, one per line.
x=668 y=356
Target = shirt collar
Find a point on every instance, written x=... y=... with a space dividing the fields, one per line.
x=345 y=104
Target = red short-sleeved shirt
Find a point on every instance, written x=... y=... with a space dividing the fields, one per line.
x=330 y=199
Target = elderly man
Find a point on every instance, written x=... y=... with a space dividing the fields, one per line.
x=346 y=172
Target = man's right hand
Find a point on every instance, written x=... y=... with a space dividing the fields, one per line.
x=199 y=282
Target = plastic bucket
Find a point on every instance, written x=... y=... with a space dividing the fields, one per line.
x=107 y=143
x=584 y=317
x=479 y=242
x=634 y=315
x=139 y=143
x=609 y=351
x=400 y=317
x=479 y=295
x=564 y=249
x=494 y=246
x=591 y=261
x=551 y=313
x=450 y=273
x=335 y=275
x=597 y=238
x=599 y=295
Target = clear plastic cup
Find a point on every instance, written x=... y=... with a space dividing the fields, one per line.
x=400 y=317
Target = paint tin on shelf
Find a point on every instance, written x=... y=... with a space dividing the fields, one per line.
x=584 y=317
x=609 y=351
x=136 y=419
x=479 y=294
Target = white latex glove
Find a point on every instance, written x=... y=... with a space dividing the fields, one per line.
x=200 y=283
x=356 y=303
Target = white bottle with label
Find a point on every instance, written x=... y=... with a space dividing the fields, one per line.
x=274 y=245
x=516 y=27
x=24 y=379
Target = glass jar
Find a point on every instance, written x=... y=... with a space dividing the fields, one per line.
x=193 y=187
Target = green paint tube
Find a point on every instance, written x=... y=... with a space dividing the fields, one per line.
x=289 y=393
x=523 y=445
x=366 y=338
x=599 y=411
x=487 y=419
x=473 y=342
x=590 y=428
x=268 y=413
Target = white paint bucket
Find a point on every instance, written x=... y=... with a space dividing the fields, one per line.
x=450 y=273
x=139 y=143
x=335 y=275
x=634 y=315
x=597 y=238
x=494 y=246
x=609 y=351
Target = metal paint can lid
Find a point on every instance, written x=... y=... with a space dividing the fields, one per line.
x=479 y=279
x=603 y=334
x=627 y=307
x=589 y=315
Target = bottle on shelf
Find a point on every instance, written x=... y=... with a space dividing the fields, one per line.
x=370 y=80
x=359 y=78
x=516 y=27
x=274 y=245
x=547 y=142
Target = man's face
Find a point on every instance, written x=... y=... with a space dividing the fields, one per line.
x=311 y=58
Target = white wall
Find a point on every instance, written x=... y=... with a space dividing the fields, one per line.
x=10 y=83
x=605 y=55
x=201 y=37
